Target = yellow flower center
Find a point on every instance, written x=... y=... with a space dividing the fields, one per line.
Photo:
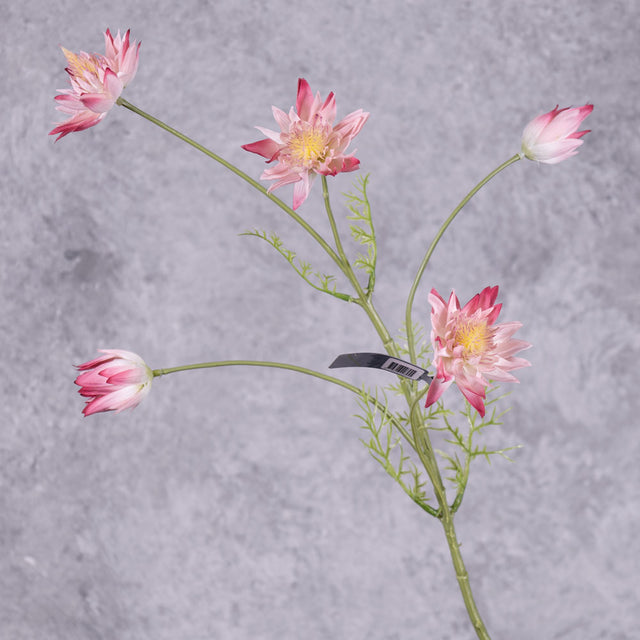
x=80 y=65
x=307 y=146
x=473 y=337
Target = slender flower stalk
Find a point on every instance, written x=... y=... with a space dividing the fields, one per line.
x=241 y=174
x=288 y=367
x=434 y=243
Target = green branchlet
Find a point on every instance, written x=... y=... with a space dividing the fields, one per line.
x=385 y=446
x=363 y=231
x=459 y=464
x=324 y=282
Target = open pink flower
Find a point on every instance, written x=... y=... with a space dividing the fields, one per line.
x=308 y=142
x=554 y=136
x=468 y=345
x=96 y=83
x=115 y=381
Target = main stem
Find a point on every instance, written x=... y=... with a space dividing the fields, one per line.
x=434 y=244
x=363 y=300
x=428 y=459
x=462 y=575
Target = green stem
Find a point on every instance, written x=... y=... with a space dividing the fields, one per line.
x=336 y=234
x=290 y=367
x=363 y=299
x=254 y=183
x=366 y=304
x=434 y=243
x=428 y=458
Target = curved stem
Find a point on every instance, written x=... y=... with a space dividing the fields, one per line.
x=290 y=367
x=254 y=183
x=434 y=243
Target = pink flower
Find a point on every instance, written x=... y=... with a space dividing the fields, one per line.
x=468 y=345
x=553 y=137
x=113 y=382
x=308 y=143
x=96 y=83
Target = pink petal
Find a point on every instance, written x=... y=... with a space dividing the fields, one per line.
x=301 y=190
x=283 y=120
x=266 y=148
x=129 y=376
x=328 y=110
x=115 y=401
x=97 y=102
x=79 y=122
x=474 y=399
x=304 y=99
x=533 y=130
x=436 y=389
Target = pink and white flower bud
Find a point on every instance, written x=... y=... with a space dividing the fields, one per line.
x=114 y=381
x=554 y=136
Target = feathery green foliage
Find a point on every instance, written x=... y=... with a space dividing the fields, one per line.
x=385 y=446
x=323 y=282
x=363 y=231
x=459 y=464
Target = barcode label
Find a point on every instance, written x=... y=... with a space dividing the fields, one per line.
x=402 y=369
x=381 y=361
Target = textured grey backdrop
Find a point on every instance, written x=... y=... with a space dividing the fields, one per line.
x=240 y=503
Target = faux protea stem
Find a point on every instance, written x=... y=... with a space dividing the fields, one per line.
x=434 y=244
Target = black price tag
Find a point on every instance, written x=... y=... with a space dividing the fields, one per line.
x=381 y=361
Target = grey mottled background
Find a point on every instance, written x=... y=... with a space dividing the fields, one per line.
x=240 y=503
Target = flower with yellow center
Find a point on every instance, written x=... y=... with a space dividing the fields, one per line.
x=96 y=83
x=308 y=143
x=469 y=348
